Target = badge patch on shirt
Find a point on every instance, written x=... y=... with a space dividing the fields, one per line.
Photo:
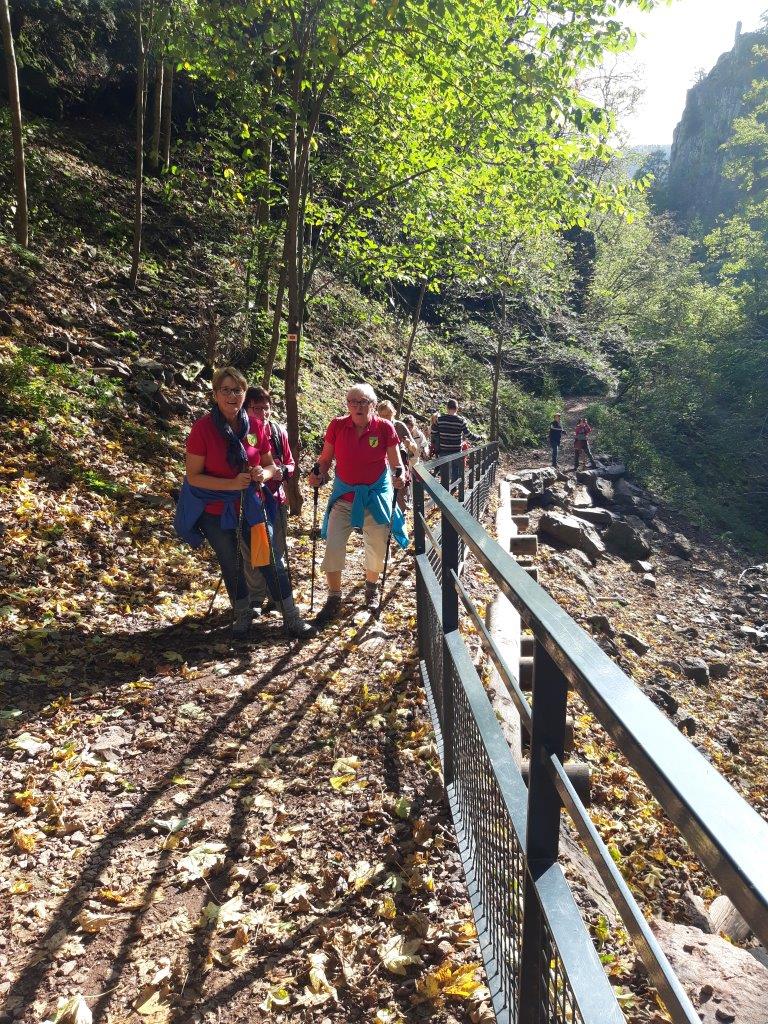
x=252 y=440
x=373 y=441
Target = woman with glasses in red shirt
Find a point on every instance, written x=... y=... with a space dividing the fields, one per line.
x=229 y=459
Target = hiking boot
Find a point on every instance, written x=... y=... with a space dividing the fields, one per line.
x=242 y=619
x=299 y=629
x=330 y=610
x=371 y=599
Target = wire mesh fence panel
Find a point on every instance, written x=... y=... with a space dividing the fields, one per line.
x=492 y=849
x=557 y=1000
x=541 y=964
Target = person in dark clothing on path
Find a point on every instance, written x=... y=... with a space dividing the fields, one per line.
x=449 y=434
x=556 y=431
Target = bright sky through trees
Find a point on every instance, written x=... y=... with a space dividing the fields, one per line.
x=673 y=44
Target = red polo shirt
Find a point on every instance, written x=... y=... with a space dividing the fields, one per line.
x=204 y=439
x=360 y=460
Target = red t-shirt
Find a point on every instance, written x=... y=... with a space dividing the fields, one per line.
x=360 y=460
x=204 y=439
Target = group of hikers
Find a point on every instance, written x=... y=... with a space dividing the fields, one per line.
x=581 y=446
x=237 y=461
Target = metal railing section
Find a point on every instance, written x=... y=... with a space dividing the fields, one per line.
x=541 y=963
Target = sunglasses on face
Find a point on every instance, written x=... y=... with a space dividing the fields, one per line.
x=361 y=403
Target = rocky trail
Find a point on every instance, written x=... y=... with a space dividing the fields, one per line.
x=686 y=616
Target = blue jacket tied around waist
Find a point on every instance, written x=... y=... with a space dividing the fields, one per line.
x=375 y=498
x=192 y=502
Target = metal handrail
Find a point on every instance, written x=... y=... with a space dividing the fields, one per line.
x=721 y=828
x=662 y=975
x=445 y=459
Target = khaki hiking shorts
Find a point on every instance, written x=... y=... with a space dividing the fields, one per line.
x=340 y=527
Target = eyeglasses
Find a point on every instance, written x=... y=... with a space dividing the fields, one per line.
x=231 y=392
x=360 y=402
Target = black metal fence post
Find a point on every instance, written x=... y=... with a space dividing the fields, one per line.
x=418 y=516
x=419 y=548
x=550 y=700
x=450 y=613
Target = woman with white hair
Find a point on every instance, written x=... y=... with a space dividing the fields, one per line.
x=365 y=448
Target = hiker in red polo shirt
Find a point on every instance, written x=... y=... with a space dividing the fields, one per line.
x=363 y=445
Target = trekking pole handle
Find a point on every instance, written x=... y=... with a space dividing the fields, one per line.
x=316 y=469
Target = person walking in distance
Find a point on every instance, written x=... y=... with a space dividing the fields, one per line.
x=366 y=450
x=449 y=433
x=407 y=448
x=258 y=405
x=581 y=443
x=419 y=438
x=556 y=431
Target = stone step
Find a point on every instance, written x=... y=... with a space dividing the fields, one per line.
x=522 y=523
x=524 y=544
x=518 y=506
x=533 y=572
x=527 y=645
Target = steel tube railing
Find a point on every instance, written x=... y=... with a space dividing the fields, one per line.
x=726 y=834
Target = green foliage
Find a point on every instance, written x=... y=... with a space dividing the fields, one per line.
x=33 y=386
x=690 y=412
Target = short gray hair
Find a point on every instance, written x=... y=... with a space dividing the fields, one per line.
x=363 y=391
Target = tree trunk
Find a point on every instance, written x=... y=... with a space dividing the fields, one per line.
x=166 y=109
x=153 y=157
x=263 y=206
x=497 y=371
x=138 y=193
x=411 y=339
x=293 y=242
x=276 y=321
x=21 y=217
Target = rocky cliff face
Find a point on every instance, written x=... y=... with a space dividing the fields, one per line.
x=697 y=188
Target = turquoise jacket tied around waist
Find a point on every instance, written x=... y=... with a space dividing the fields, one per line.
x=375 y=498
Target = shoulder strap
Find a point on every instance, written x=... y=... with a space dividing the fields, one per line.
x=277 y=440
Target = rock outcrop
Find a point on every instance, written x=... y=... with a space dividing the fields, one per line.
x=697 y=188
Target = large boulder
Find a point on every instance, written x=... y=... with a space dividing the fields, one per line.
x=724 y=983
x=596 y=516
x=555 y=496
x=580 y=498
x=626 y=541
x=603 y=490
x=612 y=470
x=681 y=546
x=627 y=492
x=573 y=532
x=536 y=479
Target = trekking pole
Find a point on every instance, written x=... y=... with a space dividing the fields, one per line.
x=273 y=562
x=315 y=472
x=284 y=524
x=398 y=473
x=239 y=540
x=215 y=595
